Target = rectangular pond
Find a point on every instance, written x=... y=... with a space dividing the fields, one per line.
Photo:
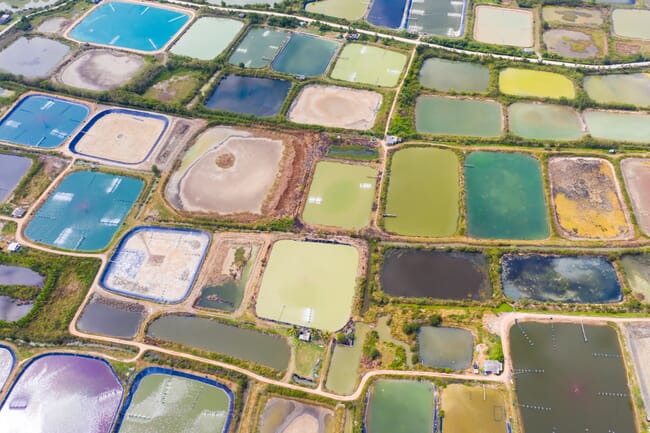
x=536 y=84
x=13 y=309
x=636 y=270
x=156 y=263
x=629 y=23
x=443 y=347
x=587 y=199
x=32 y=58
x=63 y=393
x=437 y=17
x=259 y=47
x=134 y=26
x=342 y=373
x=300 y=287
x=414 y=273
x=449 y=75
x=219 y=31
x=505 y=196
x=305 y=55
x=340 y=195
x=262 y=97
x=439 y=115
x=400 y=406
x=12 y=170
x=618 y=126
x=350 y=10
x=636 y=175
x=285 y=416
x=388 y=13
x=545 y=121
x=85 y=211
x=115 y=318
x=503 y=26
x=212 y=336
x=169 y=401
x=633 y=89
x=567 y=279
x=423 y=193
x=42 y=121
x=570 y=378
x=367 y=64
x=470 y=409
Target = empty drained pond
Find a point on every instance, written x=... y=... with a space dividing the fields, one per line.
x=414 y=273
x=560 y=279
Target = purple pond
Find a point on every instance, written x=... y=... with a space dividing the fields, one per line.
x=62 y=394
x=6 y=364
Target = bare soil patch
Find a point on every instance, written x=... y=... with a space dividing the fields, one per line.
x=337 y=107
x=173 y=89
x=572 y=44
x=636 y=173
x=101 y=70
x=54 y=25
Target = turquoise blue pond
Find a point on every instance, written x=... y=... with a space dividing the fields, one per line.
x=84 y=211
x=42 y=121
x=130 y=25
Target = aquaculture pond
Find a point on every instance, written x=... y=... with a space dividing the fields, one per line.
x=367 y=64
x=15 y=5
x=400 y=406
x=423 y=193
x=261 y=97
x=7 y=362
x=212 y=336
x=12 y=170
x=636 y=270
x=571 y=378
x=168 y=401
x=291 y=416
x=470 y=409
x=258 y=48
x=388 y=13
x=42 y=121
x=350 y=10
x=618 y=126
x=141 y=27
x=503 y=26
x=445 y=347
x=453 y=116
x=633 y=24
x=414 y=273
x=342 y=373
x=219 y=31
x=115 y=318
x=299 y=286
x=636 y=174
x=545 y=122
x=12 y=309
x=228 y=295
x=505 y=196
x=340 y=195
x=448 y=75
x=538 y=84
x=568 y=279
x=438 y=18
x=32 y=58
x=305 y=55
x=619 y=88
x=63 y=393
x=85 y=211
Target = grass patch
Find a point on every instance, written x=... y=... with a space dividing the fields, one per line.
x=308 y=356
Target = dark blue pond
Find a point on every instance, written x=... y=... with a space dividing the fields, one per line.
x=387 y=13
x=260 y=97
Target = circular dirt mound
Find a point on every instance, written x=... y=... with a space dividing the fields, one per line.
x=101 y=70
x=225 y=160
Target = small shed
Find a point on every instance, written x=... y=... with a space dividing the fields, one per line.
x=492 y=366
x=14 y=247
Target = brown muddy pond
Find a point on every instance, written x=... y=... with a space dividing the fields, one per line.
x=435 y=274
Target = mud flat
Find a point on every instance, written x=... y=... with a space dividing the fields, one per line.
x=587 y=199
x=571 y=43
x=573 y=16
x=337 y=107
x=101 y=70
x=226 y=159
x=638 y=340
x=7 y=361
x=120 y=135
x=636 y=174
x=288 y=416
